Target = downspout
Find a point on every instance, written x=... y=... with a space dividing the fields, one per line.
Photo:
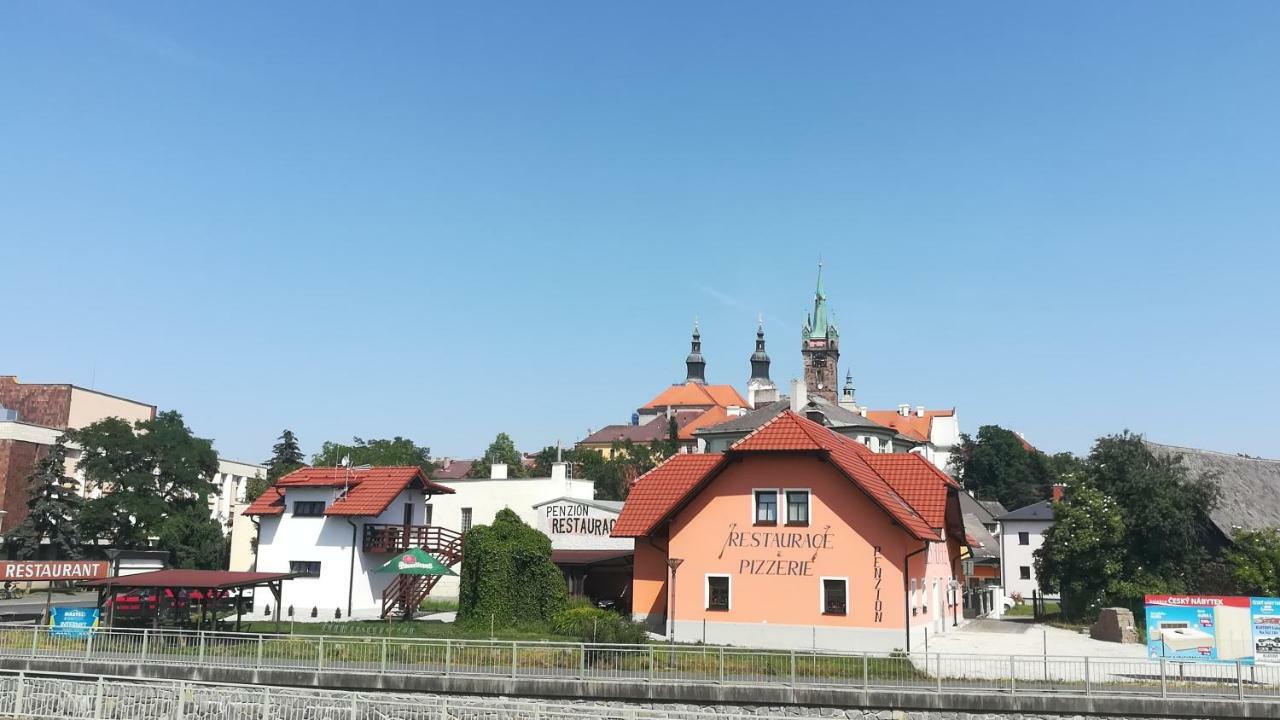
x=906 y=590
x=351 y=574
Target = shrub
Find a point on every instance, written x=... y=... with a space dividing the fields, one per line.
x=508 y=576
x=590 y=624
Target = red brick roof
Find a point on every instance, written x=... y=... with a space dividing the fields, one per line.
x=895 y=482
x=655 y=493
x=270 y=502
x=370 y=490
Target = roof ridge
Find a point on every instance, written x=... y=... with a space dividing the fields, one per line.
x=1219 y=453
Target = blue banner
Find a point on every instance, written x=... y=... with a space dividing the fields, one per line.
x=73 y=622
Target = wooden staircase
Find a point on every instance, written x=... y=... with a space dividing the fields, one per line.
x=405 y=592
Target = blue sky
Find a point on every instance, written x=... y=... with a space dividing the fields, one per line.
x=446 y=220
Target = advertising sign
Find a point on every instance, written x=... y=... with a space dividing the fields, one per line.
x=73 y=622
x=1266 y=629
x=17 y=571
x=1211 y=628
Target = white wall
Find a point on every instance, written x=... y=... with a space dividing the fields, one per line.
x=327 y=540
x=1014 y=556
x=486 y=497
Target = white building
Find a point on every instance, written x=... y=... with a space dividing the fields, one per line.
x=228 y=507
x=337 y=526
x=476 y=501
x=594 y=564
x=1021 y=534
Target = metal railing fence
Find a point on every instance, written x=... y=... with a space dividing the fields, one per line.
x=651 y=663
x=86 y=697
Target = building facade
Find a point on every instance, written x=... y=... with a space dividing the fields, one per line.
x=796 y=537
x=228 y=508
x=1021 y=534
x=336 y=527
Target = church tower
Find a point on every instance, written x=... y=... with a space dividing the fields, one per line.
x=820 y=347
x=696 y=367
x=760 y=389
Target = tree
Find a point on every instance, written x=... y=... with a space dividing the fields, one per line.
x=378 y=453
x=286 y=457
x=507 y=575
x=53 y=508
x=501 y=450
x=195 y=540
x=1083 y=552
x=1161 y=515
x=999 y=466
x=146 y=473
x=1254 y=562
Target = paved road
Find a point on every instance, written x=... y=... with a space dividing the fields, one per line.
x=33 y=604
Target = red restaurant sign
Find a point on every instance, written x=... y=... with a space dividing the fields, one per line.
x=54 y=570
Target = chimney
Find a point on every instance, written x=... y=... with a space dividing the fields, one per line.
x=498 y=471
x=919 y=411
x=1059 y=489
x=904 y=409
x=799 y=396
x=559 y=471
x=862 y=412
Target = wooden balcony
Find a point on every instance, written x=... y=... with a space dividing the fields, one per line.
x=442 y=542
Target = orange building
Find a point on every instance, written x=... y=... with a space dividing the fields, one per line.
x=796 y=537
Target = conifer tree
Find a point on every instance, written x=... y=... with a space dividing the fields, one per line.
x=53 y=507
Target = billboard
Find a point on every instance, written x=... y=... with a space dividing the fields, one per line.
x=1213 y=628
x=72 y=622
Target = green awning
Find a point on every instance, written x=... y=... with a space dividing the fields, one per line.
x=416 y=561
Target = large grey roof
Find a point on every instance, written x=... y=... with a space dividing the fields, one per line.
x=836 y=418
x=984 y=544
x=1249 y=488
x=1042 y=510
x=981 y=509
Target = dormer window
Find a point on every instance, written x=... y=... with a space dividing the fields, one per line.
x=308 y=508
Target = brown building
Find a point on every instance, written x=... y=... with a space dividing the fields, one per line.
x=32 y=417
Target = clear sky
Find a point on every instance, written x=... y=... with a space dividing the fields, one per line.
x=445 y=220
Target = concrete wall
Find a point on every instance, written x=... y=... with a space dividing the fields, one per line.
x=89 y=406
x=732 y=699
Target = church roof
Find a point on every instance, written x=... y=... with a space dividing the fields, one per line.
x=692 y=394
x=820 y=323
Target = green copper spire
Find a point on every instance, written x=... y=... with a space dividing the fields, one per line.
x=820 y=322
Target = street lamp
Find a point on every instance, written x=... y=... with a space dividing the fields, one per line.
x=672 y=563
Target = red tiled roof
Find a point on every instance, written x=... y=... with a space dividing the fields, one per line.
x=911 y=425
x=656 y=492
x=894 y=482
x=270 y=502
x=456 y=470
x=696 y=395
x=714 y=416
x=369 y=490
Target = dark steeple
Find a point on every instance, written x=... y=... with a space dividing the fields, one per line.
x=759 y=358
x=697 y=367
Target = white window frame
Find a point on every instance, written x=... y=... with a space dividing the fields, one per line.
x=822 y=595
x=777 y=505
x=706 y=592
x=786 y=506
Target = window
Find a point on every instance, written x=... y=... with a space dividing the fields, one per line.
x=308 y=508
x=308 y=568
x=717 y=592
x=466 y=519
x=766 y=507
x=1024 y=572
x=797 y=507
x=426 y=514
x=1024 y=538
x=835 y=596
